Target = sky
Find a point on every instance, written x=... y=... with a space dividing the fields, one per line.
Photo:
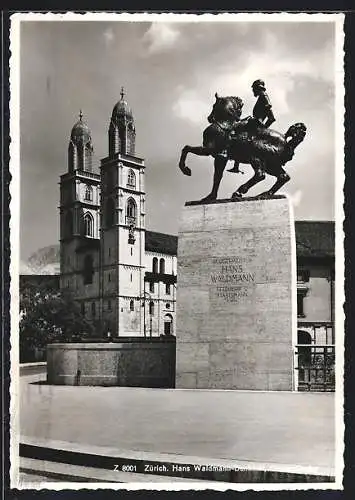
x=170 y=72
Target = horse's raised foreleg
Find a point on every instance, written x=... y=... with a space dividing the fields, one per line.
x=259 y=175
x=220 y=163
x=196 y=150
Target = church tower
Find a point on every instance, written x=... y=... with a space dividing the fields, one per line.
x=122 y=227
x=80 y=220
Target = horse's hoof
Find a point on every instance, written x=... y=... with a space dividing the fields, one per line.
x=185 y=170
x=234 y=170
x=236 y=196
x=209 y=198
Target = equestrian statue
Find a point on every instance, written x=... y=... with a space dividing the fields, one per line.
x=246 y=140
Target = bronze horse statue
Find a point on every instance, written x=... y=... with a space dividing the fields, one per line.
x=229 y=137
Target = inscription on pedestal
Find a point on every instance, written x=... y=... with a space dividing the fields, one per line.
x=230 y=277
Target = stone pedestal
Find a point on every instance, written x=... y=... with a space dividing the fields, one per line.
x=236 y=296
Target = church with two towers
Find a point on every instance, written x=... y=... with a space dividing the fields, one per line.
x=122 y=275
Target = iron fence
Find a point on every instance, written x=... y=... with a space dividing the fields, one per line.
x=316 y=367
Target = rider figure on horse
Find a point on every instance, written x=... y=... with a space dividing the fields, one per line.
x=262 y=111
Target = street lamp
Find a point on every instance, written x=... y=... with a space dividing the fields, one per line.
x=144 y=316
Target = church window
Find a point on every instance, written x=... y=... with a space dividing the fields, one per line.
x=131 y=305
x=131 y=251
x=131 y=211
x=93 y=309
x=131 y=181
x=167 y=289
x=300 y=308
x=155 y=265
x=88 y=193
x=151 y=308
x=151 y=286
x=69 y=224
x=110 y=213
x=88 y=225
x=162 y=266
x=88 y=270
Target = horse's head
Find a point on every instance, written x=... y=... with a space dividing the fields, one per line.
x=226 y=108
x=297 y=131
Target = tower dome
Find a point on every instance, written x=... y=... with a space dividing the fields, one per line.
x=80 y=133
x=121 y=110
x=122 y=132
x=80 y=149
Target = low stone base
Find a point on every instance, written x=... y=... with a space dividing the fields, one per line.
x=140 y=363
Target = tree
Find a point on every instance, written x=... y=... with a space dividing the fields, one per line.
x=49 y=315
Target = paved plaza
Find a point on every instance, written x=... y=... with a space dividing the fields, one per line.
x=266 y=427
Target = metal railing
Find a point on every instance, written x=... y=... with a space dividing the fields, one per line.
x=316 y=367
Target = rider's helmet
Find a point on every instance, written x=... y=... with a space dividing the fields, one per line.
x=259 y=84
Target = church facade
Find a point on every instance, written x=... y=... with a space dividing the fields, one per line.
x=123 y=275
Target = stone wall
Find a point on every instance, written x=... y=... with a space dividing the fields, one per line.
x=126 y=363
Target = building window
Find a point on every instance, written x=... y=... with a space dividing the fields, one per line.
x=131 y=277
x=88 y=225
x=88 y=193
x=168 y=324
x=93 y=309
x=167 y=289
x=162 y=266
x=131 y=211
x=300 y=309
x=151 y=286
x=131 y=305
x=131 y=181
x=83 y=308
x=110 y=213
x=303 y=276
x=167 y=305
x=155 y=265
x=88 y=269
x=109 y=307
x=151 y=308
x=109 y=252
x=131 y=251
x=109 y=276
x=69 y=225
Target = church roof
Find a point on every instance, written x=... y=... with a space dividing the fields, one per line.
x=160 y=243
x=315 y=238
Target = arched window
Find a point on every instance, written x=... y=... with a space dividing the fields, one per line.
x=110 y=213
x=88 y=225
x=131 y=305
x=69 y=224
x=131 y=211
x=168 y=324
x=304 y=355
x=88 y=193
x=88 y=269
x=155 y=265
x=162 y=266
x=131 y=180
x=151 y=308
